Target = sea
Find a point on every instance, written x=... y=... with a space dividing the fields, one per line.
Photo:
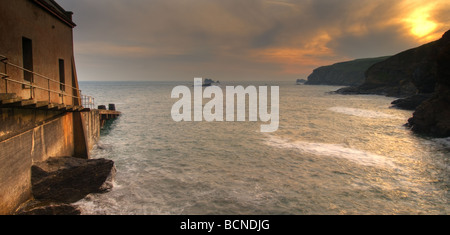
x=332 y=154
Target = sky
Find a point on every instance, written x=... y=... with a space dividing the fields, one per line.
x=237 y=40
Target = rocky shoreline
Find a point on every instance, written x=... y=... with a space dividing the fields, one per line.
x=58 y=182
x=420 y=77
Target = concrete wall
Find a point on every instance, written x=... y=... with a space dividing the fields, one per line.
x=52 y=40
x=16 y=121
x=30 y=135
x=53 y=137
x=92 y=125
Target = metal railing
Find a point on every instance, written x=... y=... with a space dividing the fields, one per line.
x=32 y=84
x=88 y=101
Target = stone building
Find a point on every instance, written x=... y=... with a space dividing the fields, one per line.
x=41 y=113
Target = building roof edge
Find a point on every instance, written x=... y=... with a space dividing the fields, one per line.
x=55 y=9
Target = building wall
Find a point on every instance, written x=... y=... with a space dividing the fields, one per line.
x=50 y=138
x=45 y=134
x=15 y=121
x=32 y=135
x=52 y=40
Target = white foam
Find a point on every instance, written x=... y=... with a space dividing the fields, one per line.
x=332 y=150
x=443 y=141
x=362 y=112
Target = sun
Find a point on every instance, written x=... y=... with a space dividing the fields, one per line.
x=422 y=27
x=420 y=24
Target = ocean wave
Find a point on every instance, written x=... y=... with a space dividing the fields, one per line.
x=332 y=150
x=443 y=141
x=362 y=112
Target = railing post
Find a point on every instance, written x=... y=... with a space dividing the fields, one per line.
x=49 y=93
x=6 y=72
x=31 y=88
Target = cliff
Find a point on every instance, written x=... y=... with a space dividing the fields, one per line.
x=349 y=73
x=406 y=74
x=432 y=117
x=422 y=75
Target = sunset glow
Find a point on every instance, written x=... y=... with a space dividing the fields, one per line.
x=263 y=39
x=300 y=59
x=420 y=23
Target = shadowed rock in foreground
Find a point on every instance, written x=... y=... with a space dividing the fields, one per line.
x=70 y=179
x=58 y=182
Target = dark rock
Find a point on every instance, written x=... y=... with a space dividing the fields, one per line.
x=210 y=81
x=301 y=81
x=348 y=91
x=432 y=117
x=48 y=208
x=207 y=80
x=352 y=90
x=70 y=179
x=410 y=103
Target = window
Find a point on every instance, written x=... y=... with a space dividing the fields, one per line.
x=27 y=50
x=62 y=75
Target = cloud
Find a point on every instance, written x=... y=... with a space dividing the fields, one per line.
x=260 y=39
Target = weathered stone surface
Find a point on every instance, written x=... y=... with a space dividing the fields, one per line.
x=48 y=208
x=70 y=179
